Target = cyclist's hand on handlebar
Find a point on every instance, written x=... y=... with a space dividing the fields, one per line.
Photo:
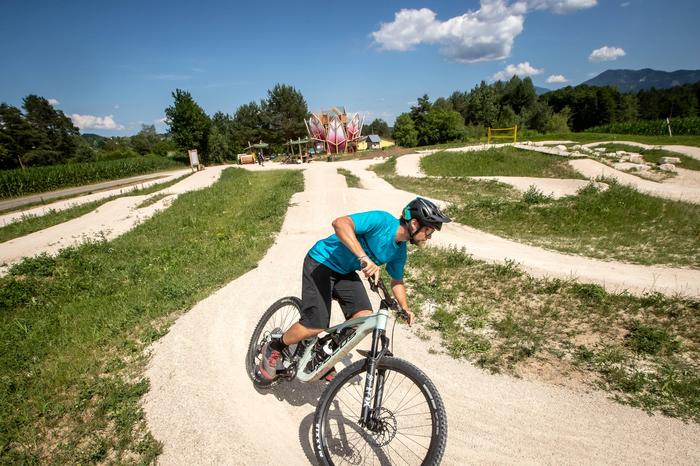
x=371 y=270
x=408 y=316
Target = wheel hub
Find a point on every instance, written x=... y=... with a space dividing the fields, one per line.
x=383 y=427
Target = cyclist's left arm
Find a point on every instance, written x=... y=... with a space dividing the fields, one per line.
x=399 y=290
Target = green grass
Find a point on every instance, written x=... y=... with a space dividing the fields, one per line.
x=653 y=155
x=352 y=180
x=386 y=168
x=73 y=328
x=503 y=161
x=618 y=224
x=31 y=223
x=644 y=350
x=599 y=137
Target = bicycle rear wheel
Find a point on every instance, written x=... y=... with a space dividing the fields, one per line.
x=411 y=427
x=280 y=316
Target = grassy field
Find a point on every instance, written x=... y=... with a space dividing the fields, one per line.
x=30 y=224
x=502 y=161
x=350 y=179
x=653 y=155
x=645 y=350
x=618 y=224
x=73 y=328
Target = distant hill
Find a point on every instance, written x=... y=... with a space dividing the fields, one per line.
x=637 y=80
x=541 y=90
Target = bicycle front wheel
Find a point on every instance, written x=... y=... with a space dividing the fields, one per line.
x=410 y=427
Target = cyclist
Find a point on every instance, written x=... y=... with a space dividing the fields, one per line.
x=362 y=241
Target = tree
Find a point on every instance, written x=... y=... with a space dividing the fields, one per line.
x=507 y=118
x=519 y=94
x=246 y=126
x=441 y=125
x=379 y=127
x=284 y=112
x=460 y=103
x=405 y=133
x=17 y=136
x=443 y=103
x=537 y=116
x=420 y=110
x=483 y=105
x=559 y=122
x=57 y=131
x=145 y=141
x=220 y=137
x=628 y=109
x=189 y=125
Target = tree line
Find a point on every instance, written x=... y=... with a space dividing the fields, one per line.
x=515 y=102
x=275 y=120
x=38 y=134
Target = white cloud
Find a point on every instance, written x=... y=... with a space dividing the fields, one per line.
x=556 y=79
x=95 y=122
x=485 y=34
x=116 y=106
x=625 y=4
x=53 y=102
x=606 y=54
x=160 y=121
x=560 y=6
x=521 y=69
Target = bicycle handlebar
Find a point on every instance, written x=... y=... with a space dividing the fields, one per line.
x=391 y=302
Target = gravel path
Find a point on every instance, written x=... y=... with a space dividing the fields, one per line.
x=679 y=188
x=205 y=410
x=125 y=184
x=690 y=151
x=151 y=180
x=106 y=222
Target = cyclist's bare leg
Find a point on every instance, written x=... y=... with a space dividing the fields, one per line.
x=298 y=332
x=365 y=313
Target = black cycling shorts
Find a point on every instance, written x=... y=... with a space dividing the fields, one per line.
x=320 y=285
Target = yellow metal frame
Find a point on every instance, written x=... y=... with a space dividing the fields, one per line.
x=493 y=135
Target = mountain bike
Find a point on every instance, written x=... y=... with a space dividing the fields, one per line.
x=379 y=409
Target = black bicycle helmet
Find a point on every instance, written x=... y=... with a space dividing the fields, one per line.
x=426 y=212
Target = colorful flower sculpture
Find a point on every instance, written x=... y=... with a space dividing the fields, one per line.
x=335 y=130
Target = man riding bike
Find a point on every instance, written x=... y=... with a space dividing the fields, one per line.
x=362 y=241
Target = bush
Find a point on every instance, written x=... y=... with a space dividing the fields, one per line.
x=38 y=157
x=559 y=122
x=535 y=196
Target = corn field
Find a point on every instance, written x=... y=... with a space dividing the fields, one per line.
x=40 y=179
x=679 y=127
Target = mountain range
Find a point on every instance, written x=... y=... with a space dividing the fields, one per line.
x=637 y=80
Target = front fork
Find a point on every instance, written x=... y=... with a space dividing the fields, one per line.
x=370 y=411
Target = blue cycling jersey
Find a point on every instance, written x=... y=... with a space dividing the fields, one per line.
x=376 y=232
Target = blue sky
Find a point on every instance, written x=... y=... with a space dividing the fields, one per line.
x=113 y=66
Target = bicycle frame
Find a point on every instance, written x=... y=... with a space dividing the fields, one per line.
x=365 y=325
x=375 y=324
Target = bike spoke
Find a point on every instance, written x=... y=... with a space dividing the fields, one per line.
x=396 y=439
